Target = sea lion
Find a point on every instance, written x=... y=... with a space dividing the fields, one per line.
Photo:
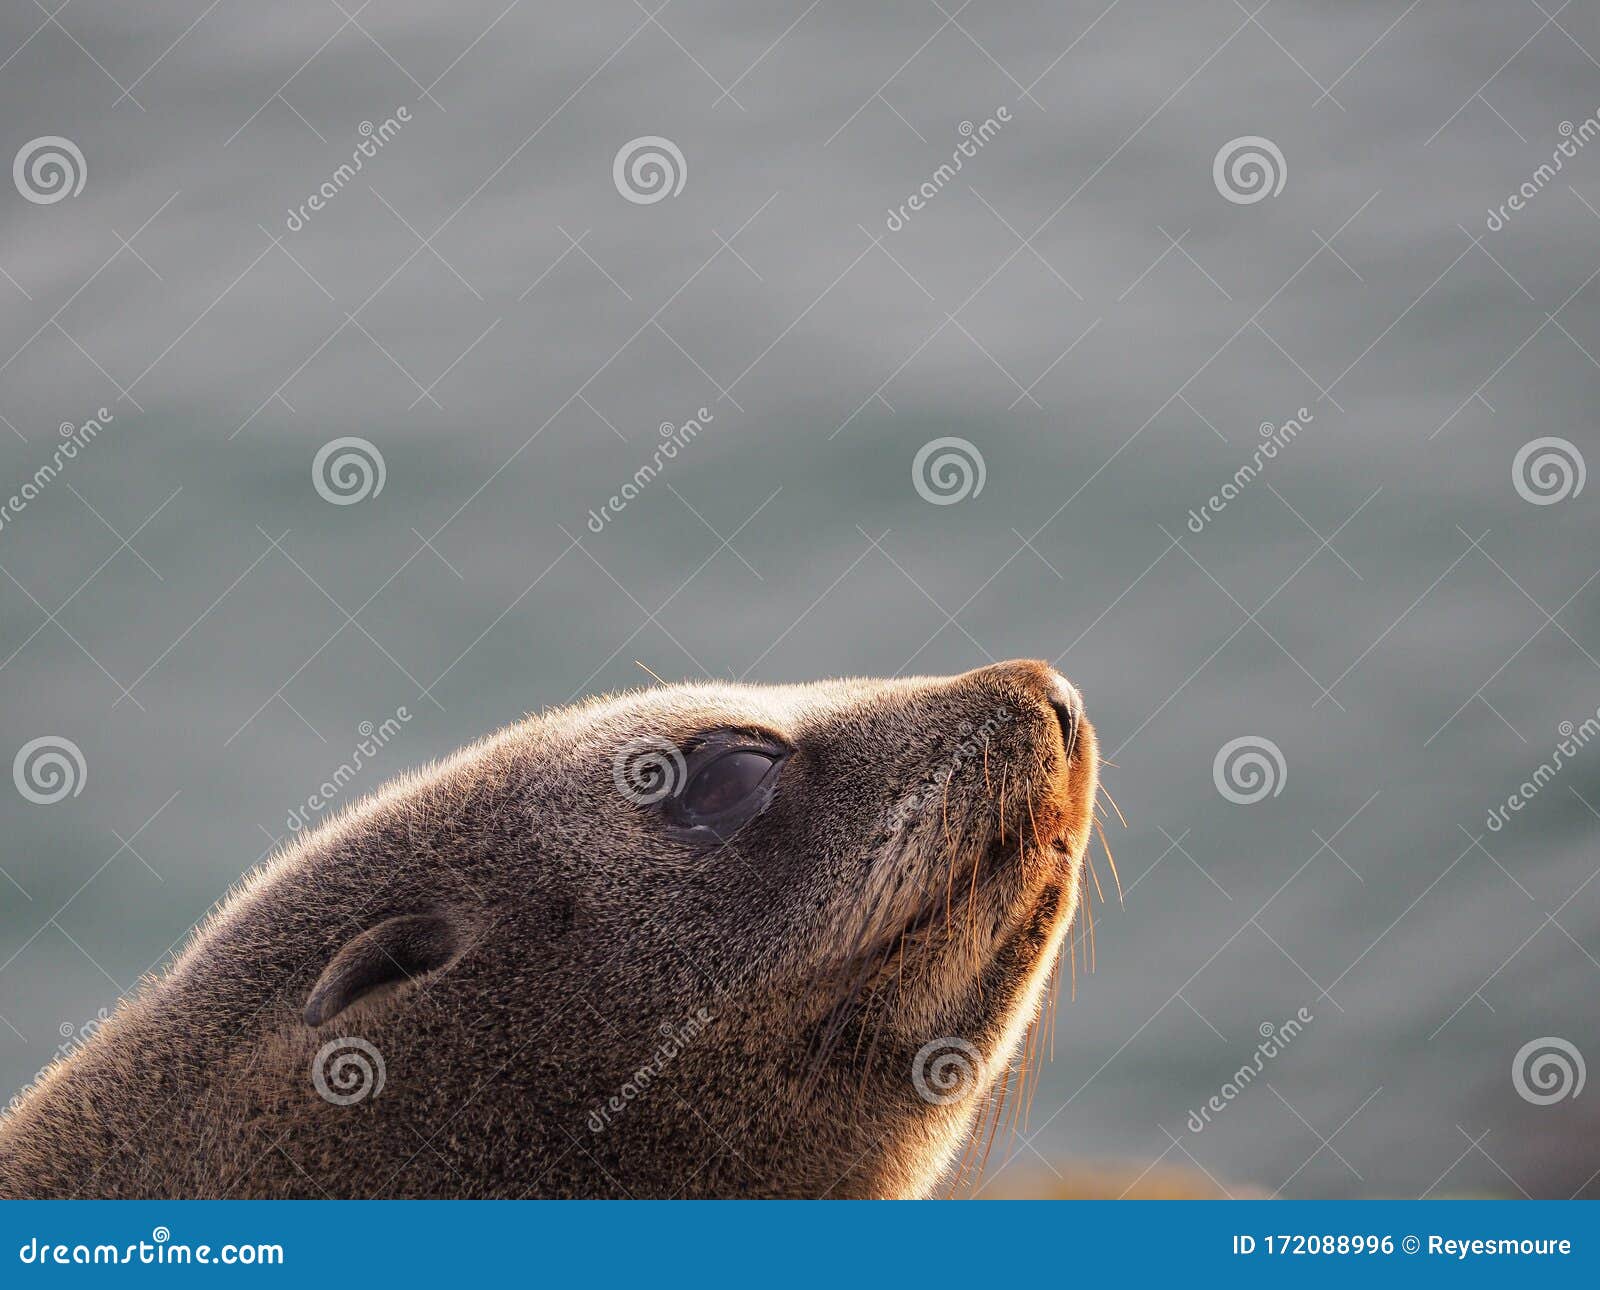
x=695 y=940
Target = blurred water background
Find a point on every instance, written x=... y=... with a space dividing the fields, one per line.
x=1081 y=302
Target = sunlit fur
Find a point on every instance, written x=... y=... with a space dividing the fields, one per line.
x=861 y=916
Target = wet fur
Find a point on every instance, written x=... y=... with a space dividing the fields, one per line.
x=827 y=944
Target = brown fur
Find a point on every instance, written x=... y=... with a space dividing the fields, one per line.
x=755 y=1008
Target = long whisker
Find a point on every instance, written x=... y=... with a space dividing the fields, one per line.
x=1111 y=859
x=1072 y=949
x=1114 y=805
x=1005 y=772
x=1089 y=863
x=1000 y=1105
x=1088 y=910
x=950 y=868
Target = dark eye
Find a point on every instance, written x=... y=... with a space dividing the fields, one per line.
x=726 y=783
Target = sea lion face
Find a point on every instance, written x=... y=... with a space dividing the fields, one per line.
x=857 y=886
x=698 y=940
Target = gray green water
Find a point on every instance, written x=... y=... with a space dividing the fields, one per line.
x=1079 y=302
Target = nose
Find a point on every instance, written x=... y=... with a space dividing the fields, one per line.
x=1067 y=704
x=1047 y=684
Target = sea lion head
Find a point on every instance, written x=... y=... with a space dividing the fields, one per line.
x=698 y=939
x=843 y=898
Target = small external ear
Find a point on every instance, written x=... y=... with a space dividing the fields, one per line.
x=392 y=953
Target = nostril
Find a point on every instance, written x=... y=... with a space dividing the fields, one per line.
x=1067 y=705
x=1067 y=717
